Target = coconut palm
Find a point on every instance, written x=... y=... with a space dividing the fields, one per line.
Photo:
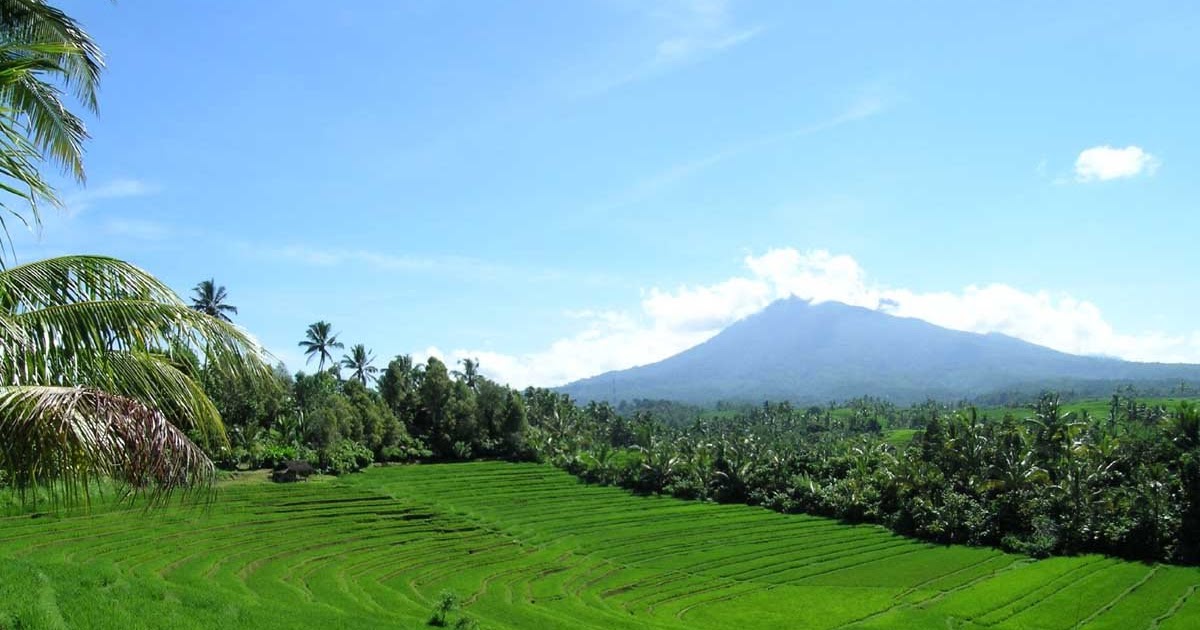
x=359 y=363
x=43 y=52
x=90 y=380
x=319 y=341
x=208 y=298
x=469 y=373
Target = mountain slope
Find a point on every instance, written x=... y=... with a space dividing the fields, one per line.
x=794 y=350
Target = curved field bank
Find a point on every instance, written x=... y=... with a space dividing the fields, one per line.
x=528 y=546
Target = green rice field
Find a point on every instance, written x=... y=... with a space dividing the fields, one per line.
x=528 y=546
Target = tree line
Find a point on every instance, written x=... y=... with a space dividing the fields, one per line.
x=403 y=412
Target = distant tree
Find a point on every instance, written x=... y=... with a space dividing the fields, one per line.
x=515 y=425
x=258 y=403
x=470 y=372
x=397 y=384
x=430 y=422
x=208 y=298
x=320 y=341
x=460 y=435
x=359 y=362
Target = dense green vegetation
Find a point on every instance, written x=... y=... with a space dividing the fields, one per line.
x=418 y=411
x=1044 y=480
x=527 y=546
x=1050 y=482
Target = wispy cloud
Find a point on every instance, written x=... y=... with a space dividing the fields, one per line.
x=115 y=189
x=1102 y=163
x=870 y=102
x=465 y=267
x=688 y=31
x=382 y=261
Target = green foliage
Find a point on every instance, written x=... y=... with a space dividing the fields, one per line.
x=466 y=623
x=345 y=456
x=1058 y=481
x=418 y=412
x=99 y=378
x=43 y=52
x=447 y=602
x=273 y=454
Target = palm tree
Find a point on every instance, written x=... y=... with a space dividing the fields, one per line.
x=93 y=376
x=90 y=382
x=42 y=53
x=359 y=363
x=208 y=298
x=319 y=340
x=469 y=373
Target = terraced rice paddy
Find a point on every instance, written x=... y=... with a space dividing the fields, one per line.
x=527 y=546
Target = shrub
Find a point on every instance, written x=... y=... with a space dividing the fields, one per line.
x=226 y=459
x=403 y=453
x=346 y=456
x=466 y=623
x=447 y=602
x=462 y=450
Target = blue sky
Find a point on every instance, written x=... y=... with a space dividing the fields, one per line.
x=561 y=188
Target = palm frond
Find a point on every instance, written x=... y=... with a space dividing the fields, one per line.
x=52 y=127
x=68 y=279
x=20 y=177
x=35 y=22
x=67 y=438
x=99 y=325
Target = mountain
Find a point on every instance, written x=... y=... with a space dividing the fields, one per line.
x=803 y=352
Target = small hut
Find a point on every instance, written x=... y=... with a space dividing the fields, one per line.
x=294 y=470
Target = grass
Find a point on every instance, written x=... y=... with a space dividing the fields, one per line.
x=528 y=546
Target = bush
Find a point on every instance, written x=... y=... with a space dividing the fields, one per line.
x=403 y=453
x=1042 y=543
x=227 y=459
x=272 y=454
x=462 y=450
x=346 y=456
x=447 y=602
x=686 y=488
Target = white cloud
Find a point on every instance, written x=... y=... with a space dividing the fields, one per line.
x=670 y=321
x=115 y=189
x=1103 y=163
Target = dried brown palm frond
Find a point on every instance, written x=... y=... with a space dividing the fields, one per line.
x=65 y=438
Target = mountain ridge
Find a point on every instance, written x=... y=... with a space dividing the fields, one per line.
x=803 y=352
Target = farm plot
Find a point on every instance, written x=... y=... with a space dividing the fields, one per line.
x=528 y=546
